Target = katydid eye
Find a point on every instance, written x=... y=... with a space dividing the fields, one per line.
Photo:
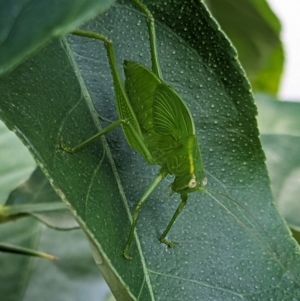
x=192 y=183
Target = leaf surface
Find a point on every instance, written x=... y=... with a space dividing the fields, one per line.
x=226 y=252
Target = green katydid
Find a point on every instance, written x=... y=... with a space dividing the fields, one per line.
x=157 y=124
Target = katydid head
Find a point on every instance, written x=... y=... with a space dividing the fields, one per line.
x=188 y=183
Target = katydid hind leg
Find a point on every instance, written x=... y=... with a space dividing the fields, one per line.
x=131 y=127
x=152 y=37
x=127 y=116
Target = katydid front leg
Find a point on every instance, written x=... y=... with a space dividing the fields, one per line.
x=162 y=238
x=161 y=175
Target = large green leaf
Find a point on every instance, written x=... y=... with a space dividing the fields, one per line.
x=28 y=25
x=279 y=124
x=222 y=256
